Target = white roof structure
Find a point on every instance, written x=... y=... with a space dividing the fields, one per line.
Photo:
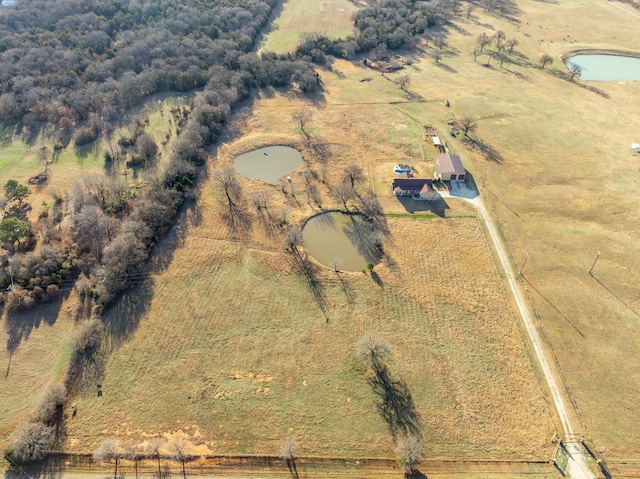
x=436 y=140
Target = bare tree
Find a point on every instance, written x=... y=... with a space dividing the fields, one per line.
x=575 y=70
x=292 y=239
x=133 y=452
x=500 y=35
x=440 y=42
x=343 y=193
x=335 y=263
x=179 y=448
x=403 y=81
x=153 y=448
x=436 y=55
x=353 y=174
x=511 y=44
x=489 y=57
x=470 y=8
x=313 y=193
x=260 y=200
x=409 y=452
x=52 y=398
x=502 y=57
x=302 y=117
x=29 y=442
x=107 y=450
x=228 y=180
x=289 y=450
x=373 y=348
x=467 y=125
x=483 y=40
x=545 y=60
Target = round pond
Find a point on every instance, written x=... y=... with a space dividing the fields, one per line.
x=268 y=163
x=340 y=240
x=607 y=67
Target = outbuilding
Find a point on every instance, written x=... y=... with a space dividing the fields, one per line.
x=449 y=167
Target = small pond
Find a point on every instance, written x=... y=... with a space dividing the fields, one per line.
x=338 y=237
x=607 y=67
x=268 y=163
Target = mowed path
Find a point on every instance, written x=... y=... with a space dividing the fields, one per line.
x=578 y=464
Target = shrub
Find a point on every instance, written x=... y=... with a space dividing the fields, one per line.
x=85 y=135
x=29 y=442
x=47 y=404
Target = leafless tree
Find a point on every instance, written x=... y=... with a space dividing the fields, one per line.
x=153 y=448
x=343 y=193
x=545 y=60
x=483 y=40
x=292 y=239
x=489 y=57
x=133 y=452
x=353 y=174
x=111 y=194
x=403 y=81
x=467 y=125
x=179 y=448
x=436 y=55
x=373 y=349
x=146 y=148
x=500 y=35
x=511 y=44
x=502 y=57
x=313 y=194
x=440 y=42
x=94 y=228
x=260 y=199
x=107 y=450
x=470 y=8
x=302 y=117
x=409 y=451
x=29 y=442
x=335 y=263
x=575 y=70
x=289 y=450
x=47 y=404
x=228 y=180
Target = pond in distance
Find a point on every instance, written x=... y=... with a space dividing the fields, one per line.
x=335 y=237
x=607 y=67
x=268 y=163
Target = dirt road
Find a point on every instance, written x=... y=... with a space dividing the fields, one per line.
x=578 y=465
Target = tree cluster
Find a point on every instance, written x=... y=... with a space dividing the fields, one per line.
x=382 y=25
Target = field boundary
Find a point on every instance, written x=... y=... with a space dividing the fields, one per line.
x=60 y=463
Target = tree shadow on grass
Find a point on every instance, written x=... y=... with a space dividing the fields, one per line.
x=395 y=403
x=20 y=324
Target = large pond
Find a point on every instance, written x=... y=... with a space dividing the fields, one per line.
x=607 y=67
x=268 y=164
x=340 y=239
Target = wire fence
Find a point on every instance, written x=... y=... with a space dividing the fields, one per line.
x=57 y=464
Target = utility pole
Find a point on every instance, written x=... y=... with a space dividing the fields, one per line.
x=526 y=257
x=594 y=263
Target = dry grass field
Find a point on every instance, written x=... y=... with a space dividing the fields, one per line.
x=230 y=346
x=328 y=17
x=226 y=343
